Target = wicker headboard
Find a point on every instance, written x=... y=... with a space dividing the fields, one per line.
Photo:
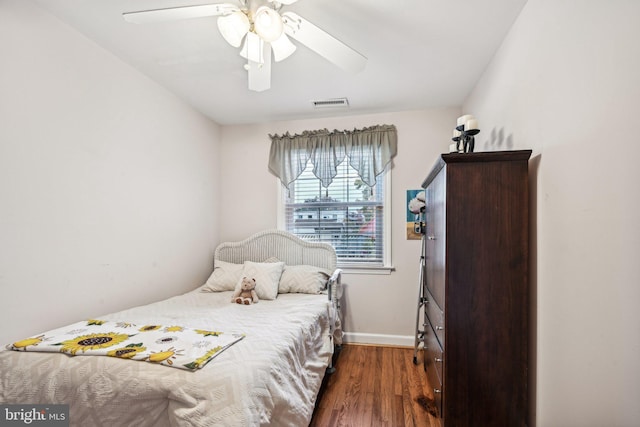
x=280 y=244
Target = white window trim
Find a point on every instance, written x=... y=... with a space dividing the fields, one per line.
x=387 y=267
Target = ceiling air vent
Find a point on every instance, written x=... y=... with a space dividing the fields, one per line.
x=331 y=103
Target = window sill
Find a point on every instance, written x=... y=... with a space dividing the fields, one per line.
x=354 y=269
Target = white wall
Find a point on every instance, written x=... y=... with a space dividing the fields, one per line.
x=108 y=183
x=379 y=308
x=566 y=84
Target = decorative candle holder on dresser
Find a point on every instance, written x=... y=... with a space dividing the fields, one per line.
x=476 y=245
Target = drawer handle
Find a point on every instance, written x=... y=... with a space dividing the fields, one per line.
x=431 y=237
x=439 y=328
x=437 y=390
x=437 y=360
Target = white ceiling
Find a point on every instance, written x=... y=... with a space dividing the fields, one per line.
x=421 y=54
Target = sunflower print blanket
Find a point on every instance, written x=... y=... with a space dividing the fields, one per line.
x=173 y=345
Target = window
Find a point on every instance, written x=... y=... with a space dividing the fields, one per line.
x=348 y=214
x=335 y=190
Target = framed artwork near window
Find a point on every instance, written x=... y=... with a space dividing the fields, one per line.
x=412 y=231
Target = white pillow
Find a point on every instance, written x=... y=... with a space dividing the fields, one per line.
x=304 y=279
x=225 y=276
x=267 y=275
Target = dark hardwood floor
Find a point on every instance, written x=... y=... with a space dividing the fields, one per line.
x=375 y=386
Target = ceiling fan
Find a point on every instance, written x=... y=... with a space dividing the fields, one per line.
x=258 y=28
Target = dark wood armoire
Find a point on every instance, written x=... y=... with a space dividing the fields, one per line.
x=476 y=332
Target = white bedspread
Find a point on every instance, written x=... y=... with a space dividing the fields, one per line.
x=272 y=376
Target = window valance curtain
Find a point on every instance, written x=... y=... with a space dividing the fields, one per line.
x=369 y=151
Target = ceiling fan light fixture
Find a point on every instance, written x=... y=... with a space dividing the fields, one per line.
x=282 y=48
x=233 y=27
x=267 y=23
x=256 y=27
x=253 y=48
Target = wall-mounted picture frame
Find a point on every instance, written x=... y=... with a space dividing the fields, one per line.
x=412 y=231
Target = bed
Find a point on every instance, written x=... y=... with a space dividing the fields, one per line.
x=269 y=377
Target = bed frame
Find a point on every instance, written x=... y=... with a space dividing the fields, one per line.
x=287 y=248
x=280 y=244
x=292 y=251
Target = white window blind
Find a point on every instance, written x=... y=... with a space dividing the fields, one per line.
x=348 y=214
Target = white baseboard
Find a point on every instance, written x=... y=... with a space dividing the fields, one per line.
x=378 y=339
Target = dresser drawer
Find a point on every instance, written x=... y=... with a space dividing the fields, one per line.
x=435 y=315
x=433 y=361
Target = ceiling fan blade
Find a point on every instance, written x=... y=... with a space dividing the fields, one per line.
x=177 y=13
x=287 y=2
x=260 y=73
x=323 y=43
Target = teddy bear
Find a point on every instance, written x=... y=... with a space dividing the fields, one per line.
x=246 y=292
